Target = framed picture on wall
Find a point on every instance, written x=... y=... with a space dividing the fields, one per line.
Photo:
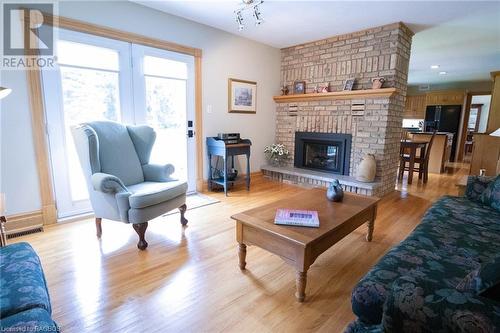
x=242 y=96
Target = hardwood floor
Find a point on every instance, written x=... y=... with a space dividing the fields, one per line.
x=188 y=280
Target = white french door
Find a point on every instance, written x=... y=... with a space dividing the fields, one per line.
x=98 y=78
x=164 y=99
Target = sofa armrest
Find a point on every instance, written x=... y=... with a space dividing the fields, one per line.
x=158 y=173
x=107 y=183
x=476 y=186
x=422 y=305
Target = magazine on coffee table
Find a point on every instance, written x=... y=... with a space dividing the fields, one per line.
x=301 y=218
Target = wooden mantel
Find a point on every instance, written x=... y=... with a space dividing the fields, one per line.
x=353 y=94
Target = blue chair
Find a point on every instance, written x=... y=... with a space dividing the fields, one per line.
x=122 y=185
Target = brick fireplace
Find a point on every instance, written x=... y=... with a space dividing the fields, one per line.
x=374 y=122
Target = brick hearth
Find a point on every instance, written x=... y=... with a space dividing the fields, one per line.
x=374 y=123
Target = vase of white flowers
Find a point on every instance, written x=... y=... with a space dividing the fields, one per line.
x=276 y=153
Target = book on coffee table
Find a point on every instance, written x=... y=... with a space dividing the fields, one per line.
x=300 y=218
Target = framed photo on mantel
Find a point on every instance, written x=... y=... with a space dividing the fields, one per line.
x=242 y=96
x=349 y=84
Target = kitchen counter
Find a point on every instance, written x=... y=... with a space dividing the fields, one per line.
x=430 y=133
x=440 y=150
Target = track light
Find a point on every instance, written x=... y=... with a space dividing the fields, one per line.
x=257 y=15
x=239 y=20
x=254 y=6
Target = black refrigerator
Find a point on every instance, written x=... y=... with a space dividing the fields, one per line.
x=444 y=118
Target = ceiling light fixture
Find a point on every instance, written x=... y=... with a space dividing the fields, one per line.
x=239 y=20
x=257 y=15
x=434 y=66
x=443 y=73
x=249 y=5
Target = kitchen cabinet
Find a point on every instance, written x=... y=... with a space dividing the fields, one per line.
x=447 y=97
x=415 y=107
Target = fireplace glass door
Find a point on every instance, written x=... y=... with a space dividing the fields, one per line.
x=327 y=152
x=321 y=156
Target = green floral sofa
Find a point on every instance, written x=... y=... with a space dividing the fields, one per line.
x=24 y=298
x=418 y=286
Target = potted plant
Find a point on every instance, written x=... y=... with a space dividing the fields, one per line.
x=276 y=153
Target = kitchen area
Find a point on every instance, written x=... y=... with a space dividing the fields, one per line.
x=440 y=111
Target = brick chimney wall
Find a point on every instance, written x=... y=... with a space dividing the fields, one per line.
x=377 y=52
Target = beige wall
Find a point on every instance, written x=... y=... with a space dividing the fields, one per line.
x=224 y=55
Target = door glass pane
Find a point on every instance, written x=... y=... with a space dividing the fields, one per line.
x=84 y=55
x=166 y=113
x=165 y=67
x=88 y=95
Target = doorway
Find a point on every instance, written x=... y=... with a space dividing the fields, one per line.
x=97 y=78
x=475 y=121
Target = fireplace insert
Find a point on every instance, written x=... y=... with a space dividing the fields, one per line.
x=323 y=151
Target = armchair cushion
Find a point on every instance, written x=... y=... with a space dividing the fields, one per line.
x=158 y=173
x=151 y=193
x=106 y=183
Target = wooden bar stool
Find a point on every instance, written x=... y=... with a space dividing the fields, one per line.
x=408 y=154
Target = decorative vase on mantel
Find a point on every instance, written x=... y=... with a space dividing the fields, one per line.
x=377 y=82
x=366 y=169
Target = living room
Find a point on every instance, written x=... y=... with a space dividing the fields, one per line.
x=199 y=122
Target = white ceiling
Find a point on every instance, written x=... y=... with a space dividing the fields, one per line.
x=463 y=37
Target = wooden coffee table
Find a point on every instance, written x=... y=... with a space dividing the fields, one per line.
x=300 y=246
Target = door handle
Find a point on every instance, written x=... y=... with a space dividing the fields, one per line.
x=190 y=133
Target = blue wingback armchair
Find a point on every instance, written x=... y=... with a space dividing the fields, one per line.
x=122 y=185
